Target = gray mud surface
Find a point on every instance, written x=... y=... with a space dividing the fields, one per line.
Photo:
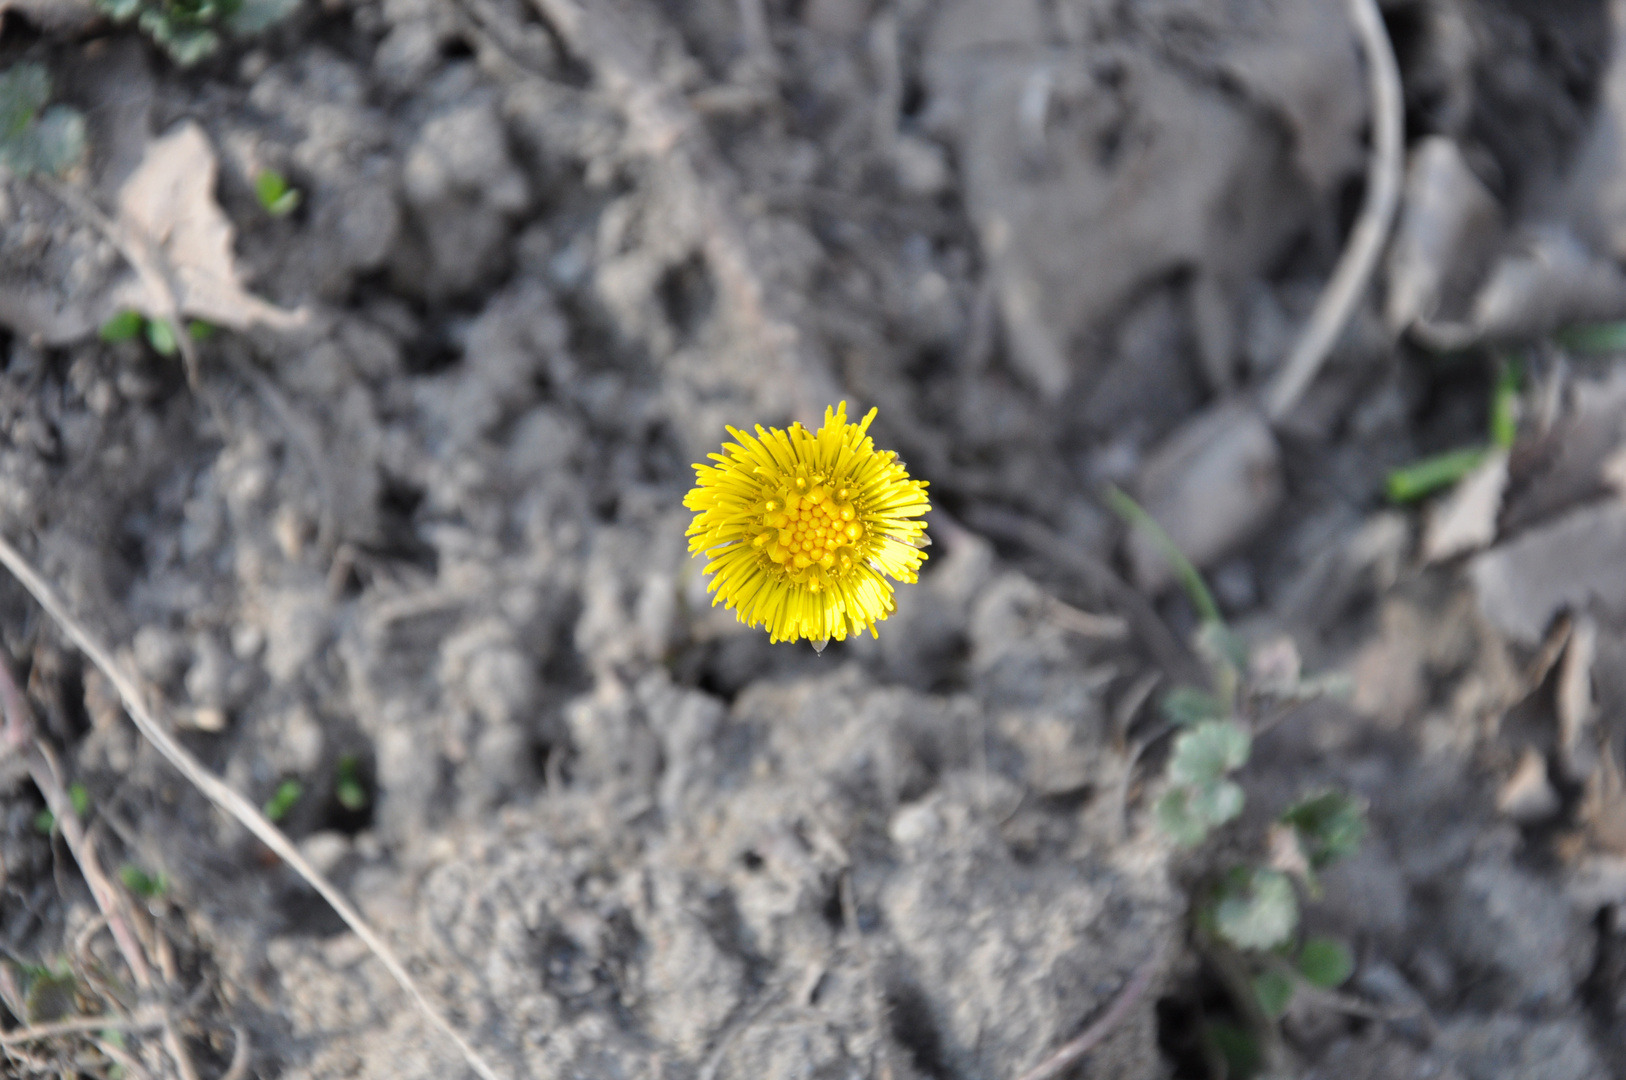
x=418 y=528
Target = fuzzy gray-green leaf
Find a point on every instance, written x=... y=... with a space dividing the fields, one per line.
x=1174 y=817
x=1215 y=802
x=1257 y=910
x=1209 y=751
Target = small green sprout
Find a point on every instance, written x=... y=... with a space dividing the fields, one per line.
x=35 y=138
x=1504 y=412
x=1247 y=920
x=1326 y=827
x=1420 y=479
x=161 y=336
x=78 y=797
x=145 y=885
x=277 y=197
x=287 y=795
x=160 y=333
x=349 y=790
x=122 y=327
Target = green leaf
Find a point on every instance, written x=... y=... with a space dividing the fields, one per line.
x=142 y=883
x=275 y=195
x=185 y=38
x=80 y=798
x=1274 y=992
x=1220 y=647
x=1187 y=705
x=24 y=90
x=1325 y=962
x=1420 y=479
x=34 y=139
x=1256 y=909
x=349 y=790
x=1208 y=751
x=1504 y=416
x=258 y=16
x=44 y=822
x=52 y=146
x=1237 y=1048
x=122 y=327
x=161 y=336
x=1330 y=826
x=287 y=794
x=1174 y=817
x=198 y=330
x=119 y=10
x=1597 y=338
x=1216 y=802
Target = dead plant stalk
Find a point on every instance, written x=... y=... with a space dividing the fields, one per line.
x=1383 y=178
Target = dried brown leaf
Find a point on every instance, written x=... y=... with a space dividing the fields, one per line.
x=168 y=206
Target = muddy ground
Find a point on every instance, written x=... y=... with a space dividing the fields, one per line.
x=411 y=534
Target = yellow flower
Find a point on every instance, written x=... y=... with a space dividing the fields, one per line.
x=803 y=529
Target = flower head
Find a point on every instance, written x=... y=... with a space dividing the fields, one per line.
x=804 y=529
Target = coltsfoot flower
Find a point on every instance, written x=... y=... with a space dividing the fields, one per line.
x=804 y=529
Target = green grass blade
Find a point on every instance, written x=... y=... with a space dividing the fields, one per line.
x=1423 y=478
x=1191 y=579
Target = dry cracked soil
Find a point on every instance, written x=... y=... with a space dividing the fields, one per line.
x=403 y=539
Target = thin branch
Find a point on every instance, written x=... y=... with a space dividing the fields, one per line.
x=225 y=797
x=238 y=1068
x=133 y=1069
x=147 y=1020
x=1354 y=270
x=1098 y=1031
x=47 y=776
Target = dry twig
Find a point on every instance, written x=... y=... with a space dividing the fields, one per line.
x=1096 y=1032
x=225 y=797
x=147 y=1020
x=1349 y=279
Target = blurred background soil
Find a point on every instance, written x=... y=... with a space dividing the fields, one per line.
x=411 y=534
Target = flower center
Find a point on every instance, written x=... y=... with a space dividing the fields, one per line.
x=810 y=529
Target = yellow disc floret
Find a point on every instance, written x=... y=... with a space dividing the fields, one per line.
x=805 y=529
